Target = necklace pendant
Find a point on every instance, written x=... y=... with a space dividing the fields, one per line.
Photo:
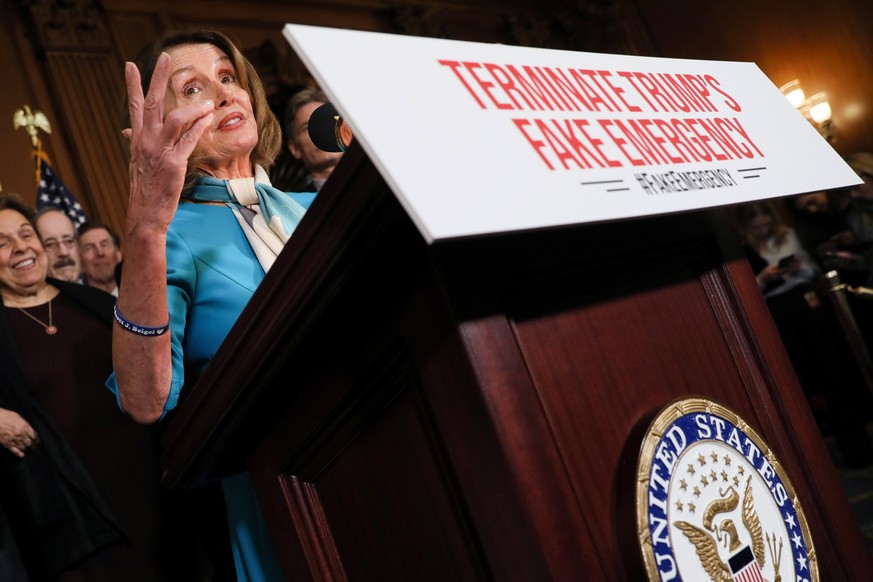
x=51 y=330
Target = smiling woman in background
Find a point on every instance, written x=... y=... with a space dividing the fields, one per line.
x=79 y=483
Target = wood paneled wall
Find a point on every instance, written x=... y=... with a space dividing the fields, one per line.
x=66 y=57
x=827 y=46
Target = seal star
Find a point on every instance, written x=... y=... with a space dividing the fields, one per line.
x=801 y=563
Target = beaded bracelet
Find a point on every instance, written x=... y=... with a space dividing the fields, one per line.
x=139 y=329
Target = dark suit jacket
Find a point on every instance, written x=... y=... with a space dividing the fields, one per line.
x=48 y=498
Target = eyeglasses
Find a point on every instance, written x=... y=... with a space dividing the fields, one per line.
x=53 y=245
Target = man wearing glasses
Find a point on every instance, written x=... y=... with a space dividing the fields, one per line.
x=58 y=236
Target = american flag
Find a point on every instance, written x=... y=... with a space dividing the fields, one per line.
x=750 y=573
x=744 y=566
x=51 y=192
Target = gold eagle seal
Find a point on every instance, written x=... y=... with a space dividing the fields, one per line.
x=714 y=503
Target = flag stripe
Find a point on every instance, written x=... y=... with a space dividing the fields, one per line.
x=750 y=574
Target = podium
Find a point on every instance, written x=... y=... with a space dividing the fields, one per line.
x=473 y=409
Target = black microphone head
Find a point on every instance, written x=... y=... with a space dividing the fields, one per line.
x=323 y=126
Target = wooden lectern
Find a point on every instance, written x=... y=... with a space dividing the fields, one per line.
x=472 y=410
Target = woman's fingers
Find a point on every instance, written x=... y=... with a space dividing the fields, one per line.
x=147 y=110
x=27 y=436
x=16 y=434
x=184 y=127
x=25 y=439
x=153 y=105
x=134 y=96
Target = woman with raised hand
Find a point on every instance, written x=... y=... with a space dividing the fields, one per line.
x=203 y=227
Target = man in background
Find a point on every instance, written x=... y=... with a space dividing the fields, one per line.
x=58 y=234
x=318 y=163
x=100 y=253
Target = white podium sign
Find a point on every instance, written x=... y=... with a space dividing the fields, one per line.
x=482 y=138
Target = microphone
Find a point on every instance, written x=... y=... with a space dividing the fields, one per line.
x=328 y=130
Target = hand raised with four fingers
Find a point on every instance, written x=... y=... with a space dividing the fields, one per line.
x=160 y=145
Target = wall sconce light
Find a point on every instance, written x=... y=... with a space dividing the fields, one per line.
x=816 y=108
x=793 y=92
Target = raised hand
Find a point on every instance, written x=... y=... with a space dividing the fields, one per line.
x=160 y=145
